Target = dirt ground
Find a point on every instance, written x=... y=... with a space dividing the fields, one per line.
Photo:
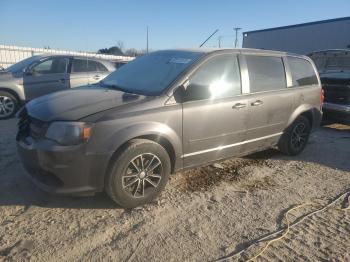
x=203 y=215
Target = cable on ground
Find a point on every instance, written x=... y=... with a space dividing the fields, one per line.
x=289 y=226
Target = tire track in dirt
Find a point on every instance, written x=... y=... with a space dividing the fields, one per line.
x=327 y=232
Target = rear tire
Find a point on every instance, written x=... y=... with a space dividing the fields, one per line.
x=8 y=105
x=295 y=137
x=138 y=173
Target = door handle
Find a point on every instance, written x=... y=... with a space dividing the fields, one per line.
x=238 y=106
x=62 y=80
x=257 y=103
x=96 y=77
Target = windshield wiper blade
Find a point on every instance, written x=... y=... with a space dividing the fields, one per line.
x=112 y=86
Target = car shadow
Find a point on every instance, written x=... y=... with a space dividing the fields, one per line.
x=330 y=146
x=30 y=195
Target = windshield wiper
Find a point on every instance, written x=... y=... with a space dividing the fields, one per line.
x=113 y=86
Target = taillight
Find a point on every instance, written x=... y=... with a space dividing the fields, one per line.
x=322 y=96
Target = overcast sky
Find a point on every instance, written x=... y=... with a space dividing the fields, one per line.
x=91 y=25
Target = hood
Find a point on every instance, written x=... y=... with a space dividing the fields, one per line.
x=72 y=105
x=6 y=76
x=8 y=79
x=336 y=74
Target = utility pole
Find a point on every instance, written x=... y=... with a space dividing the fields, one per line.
x=236 y=39
x=219 y=39
x=147 y=41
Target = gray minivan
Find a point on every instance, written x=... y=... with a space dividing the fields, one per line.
x=43 y=74
x=165 y=112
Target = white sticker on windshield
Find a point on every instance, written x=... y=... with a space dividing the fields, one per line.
x=179 y=60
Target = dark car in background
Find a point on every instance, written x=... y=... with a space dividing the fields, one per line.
x=334 y=70
x=43 y=74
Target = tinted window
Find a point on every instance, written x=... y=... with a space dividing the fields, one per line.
x=79 y=65
x=93 y=66
x=265 y=73
x=100 y=67
x=302 y=72
x=217 y=78
x=154 y=72
x=51 y=66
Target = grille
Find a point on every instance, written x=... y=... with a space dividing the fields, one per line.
x=337 y=94
x=29 y=126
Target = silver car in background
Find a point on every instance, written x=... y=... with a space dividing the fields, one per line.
x=43 y=74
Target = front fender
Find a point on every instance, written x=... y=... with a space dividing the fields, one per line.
x=15 y=90
x=117 y=138
x=144 y=129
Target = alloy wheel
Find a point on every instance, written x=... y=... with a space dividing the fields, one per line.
x=143 y=175
x=299 y=136
x=7 y=106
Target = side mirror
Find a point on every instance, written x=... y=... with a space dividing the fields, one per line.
x=28 y=72
x=180 y=94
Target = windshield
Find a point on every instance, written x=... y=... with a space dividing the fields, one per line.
x=151 y=74
x=22 y=64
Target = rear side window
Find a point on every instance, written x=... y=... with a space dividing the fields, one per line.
x=96 y=66
x=79 y=65
x=82 y=65
x=265 y=73
x=302 y=72
x=217 y=78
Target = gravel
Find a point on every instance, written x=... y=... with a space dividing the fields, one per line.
x=203 y=214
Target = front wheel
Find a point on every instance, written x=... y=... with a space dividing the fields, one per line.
x=138 y=174
x=296 y=136
x=8 y=105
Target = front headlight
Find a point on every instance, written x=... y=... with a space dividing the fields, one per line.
x=69 y=133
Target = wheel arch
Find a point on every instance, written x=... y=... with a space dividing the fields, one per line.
x=311 y=113
x=157 y=132
x=12 y=92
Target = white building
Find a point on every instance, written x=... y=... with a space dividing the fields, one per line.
x=302 y=38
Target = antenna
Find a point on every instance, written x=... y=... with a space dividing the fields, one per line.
x=147 y=40
x=209 y=37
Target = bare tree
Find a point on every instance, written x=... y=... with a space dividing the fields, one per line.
x=131 y=52
x=120 y=45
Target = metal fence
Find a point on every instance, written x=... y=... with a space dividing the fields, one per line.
x=10 y=54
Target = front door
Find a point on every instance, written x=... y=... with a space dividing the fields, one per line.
x=47 y=76
x=214 y=111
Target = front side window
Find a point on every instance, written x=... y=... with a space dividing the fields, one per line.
x=302 y=71
x=217 y=78
x=266 y=73
x=51 y=66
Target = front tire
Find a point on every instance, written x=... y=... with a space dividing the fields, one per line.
x=8 y=105
x=295 y=137
x=138 y=174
